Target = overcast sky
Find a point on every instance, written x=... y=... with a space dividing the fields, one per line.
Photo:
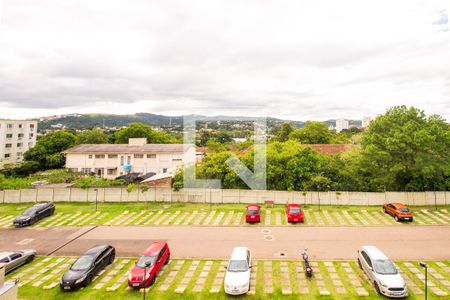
x=290 y=59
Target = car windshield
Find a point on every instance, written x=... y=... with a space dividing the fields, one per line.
x=238 y=266
x=294 y=210
x=252 y=212
x=83 y=263
x=29 y=212
x=404 y=209
x=384 y=267
x=146 y=260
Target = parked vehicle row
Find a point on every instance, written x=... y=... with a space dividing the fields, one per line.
x=381 y=272
x=293 y=212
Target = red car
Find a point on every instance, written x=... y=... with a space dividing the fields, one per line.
x=253 y=214
x=294 y=213
x=152 y=260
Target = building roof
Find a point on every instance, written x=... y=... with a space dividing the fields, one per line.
x=330 y=148
x=126 y=148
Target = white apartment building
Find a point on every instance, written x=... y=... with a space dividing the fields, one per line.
x=16 y=137
x=113 y=160
x=342 y=124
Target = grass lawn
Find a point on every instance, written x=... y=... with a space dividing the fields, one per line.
x=203 y=279
x=163 y=213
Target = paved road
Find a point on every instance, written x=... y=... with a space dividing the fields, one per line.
x=412 y=242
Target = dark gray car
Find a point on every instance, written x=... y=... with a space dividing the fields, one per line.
x=34 y=214
x=15 y=259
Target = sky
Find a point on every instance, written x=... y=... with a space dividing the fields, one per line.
x=298 y=60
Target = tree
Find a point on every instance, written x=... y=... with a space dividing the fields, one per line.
x=406 y=150
x=213 y=146
x=312 y=133
x=283 y=133
x=47 y=151
x=139 y=130
x=94 y=136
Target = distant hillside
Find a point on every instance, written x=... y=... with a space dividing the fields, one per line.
x=88 y=121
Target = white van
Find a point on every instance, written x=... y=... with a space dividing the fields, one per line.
x=382 y=273
x=237 y=277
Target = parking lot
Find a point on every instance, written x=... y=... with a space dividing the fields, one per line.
x=217 y=215
x=203 y=279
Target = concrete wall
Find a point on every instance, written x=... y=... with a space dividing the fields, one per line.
x=221 y=196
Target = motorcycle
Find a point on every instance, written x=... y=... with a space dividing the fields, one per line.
x=308 y=269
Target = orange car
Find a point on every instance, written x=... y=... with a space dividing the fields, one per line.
x=399 y=211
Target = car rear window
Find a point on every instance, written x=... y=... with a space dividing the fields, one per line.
x=294 y=210
x=252 y=212
x=404 y=209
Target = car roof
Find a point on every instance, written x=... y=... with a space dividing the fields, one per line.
x=154 y=248
x=96 y=249
x=293 y=205
x=253 y=206
x=5 y=254
x=239 y=253
x=399 y=205
x=374 y=252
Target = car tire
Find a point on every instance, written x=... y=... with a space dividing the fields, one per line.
x=111 y=258
x=377 y=288
x=29 y=259
x=385 y=211
x=167 y=260
x=152 y=281
x=88 y=281
x=396 y=219
x=359 y=264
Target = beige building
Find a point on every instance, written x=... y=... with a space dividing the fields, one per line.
x=113 y=160
x=16 y=137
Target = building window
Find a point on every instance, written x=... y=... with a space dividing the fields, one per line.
x=30 y=144
x=31 y=125
x=177 y=159
x=19 y=154
x=90 y=156
x=9 y=136
x=164 y=157
x=9 y=126
x=112 y=155
x=112 y=171
x=20 y=136
x=100 y=156
x=30 y=136
x=8 y=145
x=139 y=156
x=19 y=145
x=122 y=162
x=164 y=170
x=128 y=160
x=151 y=155
x=86 y=171
x=20 y=125
x=7 y=155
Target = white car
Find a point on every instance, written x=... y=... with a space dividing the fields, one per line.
x=237 y=277
x=382 y=273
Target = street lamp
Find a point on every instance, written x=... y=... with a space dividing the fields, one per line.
x=146 y=265
x=424 y=265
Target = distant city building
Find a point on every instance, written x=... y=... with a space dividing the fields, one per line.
x=16 y=137
x=113 y=160
x=366 y=121
x=342 y=124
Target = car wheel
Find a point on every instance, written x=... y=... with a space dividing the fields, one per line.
x=88 y=281
x=359 y=264
x=396 y=218
x=111 y=258
x=29 y=259
x=385 y=211
x=167 y=260
x=377 y=288
x=152 y=281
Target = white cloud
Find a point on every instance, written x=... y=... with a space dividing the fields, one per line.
x=290 y=59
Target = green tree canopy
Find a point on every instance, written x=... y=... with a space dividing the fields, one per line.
x=139 y=130
x=312 y=133
x=94 y=136
x=283 y=133
x=47 y=151
x=406 y=150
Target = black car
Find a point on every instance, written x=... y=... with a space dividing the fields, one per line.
x=84 y=269
x=34 y=214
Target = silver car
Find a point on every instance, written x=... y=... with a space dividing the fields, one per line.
x=15 y=259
